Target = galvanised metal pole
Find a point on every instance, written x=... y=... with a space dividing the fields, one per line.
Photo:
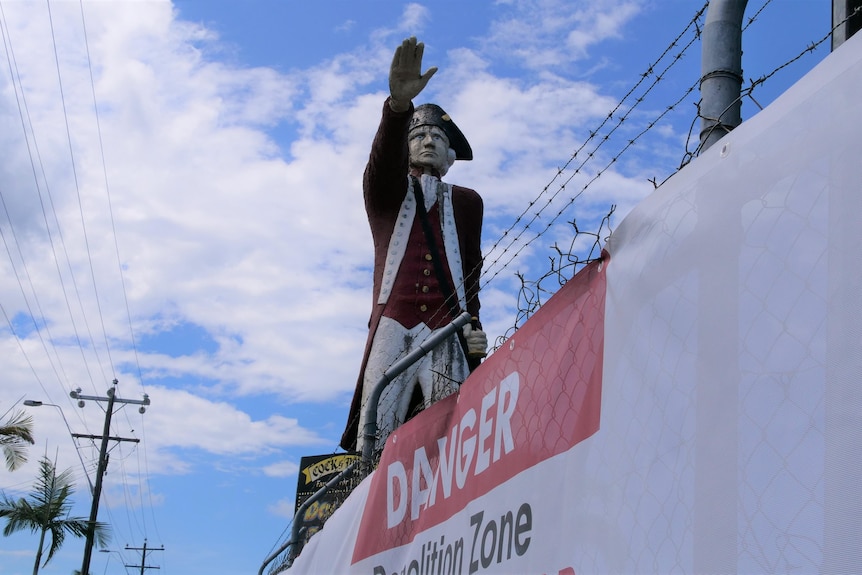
x=296 y=542
x=435 y=339
x=846 y=20
x=721 y=70
x=370 y=431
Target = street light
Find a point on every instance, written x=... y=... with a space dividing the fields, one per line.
x=108 y=559
x=120 y=555
x=34 y=403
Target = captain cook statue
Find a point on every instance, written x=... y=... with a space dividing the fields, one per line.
x=427 y=253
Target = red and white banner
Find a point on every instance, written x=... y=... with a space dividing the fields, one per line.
x=462 y=487
x=690 y=405
x=433 y=498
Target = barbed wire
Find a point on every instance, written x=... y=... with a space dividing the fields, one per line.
x=755 y=16
x=593 y=134
x=564 y=264
x=747 y=91
x=600 y=139
x=533 y=292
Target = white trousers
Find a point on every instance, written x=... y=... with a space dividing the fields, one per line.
x=438 y=374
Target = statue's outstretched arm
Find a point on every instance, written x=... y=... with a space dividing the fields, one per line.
x=406 y=80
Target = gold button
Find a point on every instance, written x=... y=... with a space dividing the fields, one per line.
x=428 y=257
x=427 y=272
x=424 y=289
x=423 y=307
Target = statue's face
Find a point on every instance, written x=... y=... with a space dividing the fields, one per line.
x=429 y=148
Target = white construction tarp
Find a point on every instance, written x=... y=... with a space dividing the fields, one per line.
x=691 y=404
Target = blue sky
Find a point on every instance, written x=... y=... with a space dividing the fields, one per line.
x=202 y=238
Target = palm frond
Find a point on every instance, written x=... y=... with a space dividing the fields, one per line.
x=46 y=510
x=15 y=434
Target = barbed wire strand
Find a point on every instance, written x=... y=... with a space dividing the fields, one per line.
x=746 y=92
x=650 y=71
x=591 y=155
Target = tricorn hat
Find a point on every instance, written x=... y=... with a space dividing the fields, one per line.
x=433 y=115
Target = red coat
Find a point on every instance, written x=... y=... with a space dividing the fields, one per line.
x=384 y=187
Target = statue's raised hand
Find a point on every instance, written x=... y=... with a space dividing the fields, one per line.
x=405 y=75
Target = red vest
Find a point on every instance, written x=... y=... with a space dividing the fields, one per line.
x=416 y=296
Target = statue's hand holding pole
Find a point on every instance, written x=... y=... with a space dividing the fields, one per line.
x=406 y=80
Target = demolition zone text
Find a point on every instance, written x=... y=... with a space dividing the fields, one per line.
x=492 y=541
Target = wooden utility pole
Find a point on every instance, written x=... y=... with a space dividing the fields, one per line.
x=143 y=566
x=103 y=458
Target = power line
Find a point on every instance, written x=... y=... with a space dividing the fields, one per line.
x=80 y=204
x=23 y=111
x=108 y=193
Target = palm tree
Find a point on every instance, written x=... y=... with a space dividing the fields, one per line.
x=15 y=434
x=46 y=510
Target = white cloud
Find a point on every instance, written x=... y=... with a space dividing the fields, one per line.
x=263 y=245
x=283 y=508
x=600 y=22
x=414 y=17
x=281 y=469
x=542 y=34
x=217 y=427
